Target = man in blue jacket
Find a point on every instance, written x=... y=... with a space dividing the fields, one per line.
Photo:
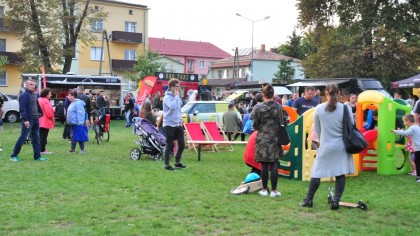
x=30 y=111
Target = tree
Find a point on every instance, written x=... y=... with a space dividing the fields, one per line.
x=293 y=47
x=146 y=65
x=285 y=73
x=3 y=61
x=361 y=38
x=50 y=30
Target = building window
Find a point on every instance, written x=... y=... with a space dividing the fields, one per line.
x=3 y=78
x=130 y=27
x=220 y=74
x=97 y=25
x=2 y=45
x=190 y=65
x=130 y=12
x=130 y=55
x=2 y=11
x=96 y=8
x=202 y=65
x=95 y=54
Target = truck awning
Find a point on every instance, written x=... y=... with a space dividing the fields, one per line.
x=316 y=83
x=84 y=83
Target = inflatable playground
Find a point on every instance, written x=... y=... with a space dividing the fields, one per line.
x=386 y=152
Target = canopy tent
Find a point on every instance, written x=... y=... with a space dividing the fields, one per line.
x=280 y=90
x=412 y=82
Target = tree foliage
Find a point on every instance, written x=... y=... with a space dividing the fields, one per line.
x=285 y=73
x=3 y=61
x=50 y=30
x=147 y=64
x=294 y=47
x=361 y=38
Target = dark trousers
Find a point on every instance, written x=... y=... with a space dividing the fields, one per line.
x=340 y=184
x=274 y=174
x=43 y=134
x=229 y=136
x=174 y=133
x=24 y=132
x=417 y=162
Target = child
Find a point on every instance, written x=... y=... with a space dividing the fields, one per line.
x=412 y=156
x=414 y=132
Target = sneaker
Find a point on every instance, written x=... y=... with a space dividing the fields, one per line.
x=46 y=152
x=180 y=165
x=15 y=159
x=275 y=194
x=335 y=205
x=72 y=151
x=41 y=158
x=263 y=193
x=82 y=152
x=306 y=203
x=1 y=149
x=413 y=173
x=170 y=168
x=418 y=179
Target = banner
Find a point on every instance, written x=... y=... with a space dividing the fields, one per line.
x=145 y=88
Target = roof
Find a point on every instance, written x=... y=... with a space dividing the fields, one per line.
x=315 y=83
x=174 y=47
x=121 y=2
x=229 y=82
x=245 y=59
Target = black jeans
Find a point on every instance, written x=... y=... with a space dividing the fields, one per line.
x=43 y=134
x=172 y=134
x=229 y=136
x=417 y=162
x=274 y=174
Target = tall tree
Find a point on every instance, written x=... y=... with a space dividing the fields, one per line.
x=147 y=64
x=50 y=30
x=293 y=47
x=366 y=38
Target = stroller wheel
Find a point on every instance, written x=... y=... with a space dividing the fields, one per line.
x=135 y=154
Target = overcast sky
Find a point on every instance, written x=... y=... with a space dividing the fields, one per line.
x=215 y=21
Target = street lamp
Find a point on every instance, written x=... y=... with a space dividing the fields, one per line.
x=252 y=41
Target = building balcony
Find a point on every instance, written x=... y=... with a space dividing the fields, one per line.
x=126 y=37
x=123 y=64
x=12 y=58
x=3 y=26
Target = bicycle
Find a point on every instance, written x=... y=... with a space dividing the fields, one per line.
x=101 y=127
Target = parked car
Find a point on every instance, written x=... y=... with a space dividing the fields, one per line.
x=197 y=111
x=11 y=108
x=13 y=96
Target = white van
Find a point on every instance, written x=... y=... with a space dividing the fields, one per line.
x=10 y=108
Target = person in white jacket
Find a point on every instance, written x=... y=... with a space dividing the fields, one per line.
x=413 y=131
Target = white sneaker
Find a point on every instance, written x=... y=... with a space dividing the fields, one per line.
x=263 y=193
x=1 y=149
x=275 y=194
x=418 y=179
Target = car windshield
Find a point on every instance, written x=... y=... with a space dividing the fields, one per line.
x=187 y=107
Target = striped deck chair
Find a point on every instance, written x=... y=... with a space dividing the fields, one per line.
x=216 y=133
x=194 y=132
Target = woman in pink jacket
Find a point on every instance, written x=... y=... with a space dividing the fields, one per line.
x=47 y=121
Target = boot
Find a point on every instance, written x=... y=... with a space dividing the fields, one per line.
x=306 y=203
x=335 y=205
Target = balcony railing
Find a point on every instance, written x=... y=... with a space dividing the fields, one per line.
x=123 y=64
x=3 y=26
x=127 y=37
x=12 y=58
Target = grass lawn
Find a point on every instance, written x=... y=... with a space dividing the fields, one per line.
x=104 y=192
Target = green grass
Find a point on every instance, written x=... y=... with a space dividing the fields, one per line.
x=104 y=192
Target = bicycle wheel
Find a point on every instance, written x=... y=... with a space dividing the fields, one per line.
x=104 y=136
x=97 y=133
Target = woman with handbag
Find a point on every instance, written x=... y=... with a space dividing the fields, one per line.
x=331 y=159
x=266 y=121
x=76 y=119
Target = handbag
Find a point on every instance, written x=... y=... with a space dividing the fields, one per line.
x=248 y=127
x=354 y=141
x=283 y=136
x=80 y=133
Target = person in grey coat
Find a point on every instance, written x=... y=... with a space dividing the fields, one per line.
x=331 y=159
x=231 y=122
x=267 y=149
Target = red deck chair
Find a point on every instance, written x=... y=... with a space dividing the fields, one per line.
x=195 y=133
x=216 y=133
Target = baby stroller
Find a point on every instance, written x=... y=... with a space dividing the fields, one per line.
x=150 y=140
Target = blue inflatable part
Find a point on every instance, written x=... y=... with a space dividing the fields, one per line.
x=251 y=177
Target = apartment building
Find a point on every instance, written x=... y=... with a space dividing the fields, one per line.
x=120 y=37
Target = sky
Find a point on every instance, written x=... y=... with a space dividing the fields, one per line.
x=216 y=22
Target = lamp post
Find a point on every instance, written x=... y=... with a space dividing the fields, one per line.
x=252 y=41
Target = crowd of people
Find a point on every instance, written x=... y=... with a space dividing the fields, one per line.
x=264 y=110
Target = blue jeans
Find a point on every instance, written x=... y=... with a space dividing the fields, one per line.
x=127 y=118
x=36 y=145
